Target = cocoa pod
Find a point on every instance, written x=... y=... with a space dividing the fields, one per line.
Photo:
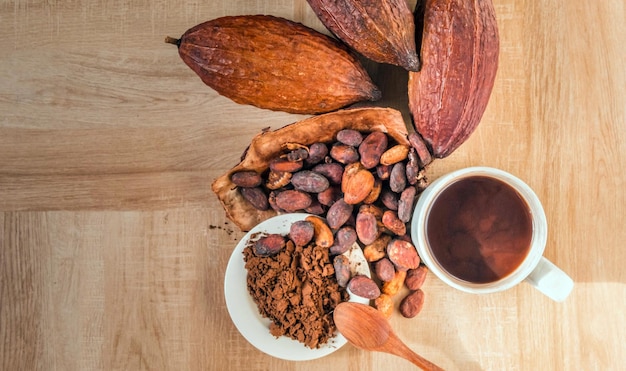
x=292 y=200
x=301 y=232
x=403 y=255
x=393 y=223
x=350 y=137
x=364 y=287
x=397 y=180
x=317 y=152
x=274 y=63
x=372 y=147
x=246 y=179
x=338 y=214
x=384 y=269
x=415 y=277
x=256 y=197
x=459 y=53
x=344 y=239
x=269 y=245
x=384 y=304
x=377 y=249
x=341 y=263
x=323 y=235
x=405 y=204
x=309 y=181
x=382 y=31
x=412 y=304
x=395 y=154
x=357 y=183
x=392 y=287
x=344 y=153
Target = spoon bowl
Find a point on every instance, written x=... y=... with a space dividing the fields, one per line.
x=366 y=328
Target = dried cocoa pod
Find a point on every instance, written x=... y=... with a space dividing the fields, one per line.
x=364 y=287
x=412 y=304
x=405 y=204
x=372 y=147
x=384 y=304
x=393 y=223
x=357 y=183
x=423 y=154
x=317 y=152
x=247 y=179
x=459 y=53
x=384 y=269
x=301 y=232
x=395 y=154
x=382 y=31
x=269 y=245
x=350 y=137
x=256 y=197
x=277 y=179
x=377 y=249
x=344 y=153
x=415 y=277
x=341 y=263
x=309 y=181
x=292 y=200
x=397 y=180
x=329 y=196
x=323 y=235
x=333 y=172
x=403 y=254
x=392 y=287
x=274 y=63
x=344 y=239
x=283 y=165
x=339 y=213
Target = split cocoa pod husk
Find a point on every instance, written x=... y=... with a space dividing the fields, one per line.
x=267 y=145
x=382 y=31
x=274 y=63
x=459 y=55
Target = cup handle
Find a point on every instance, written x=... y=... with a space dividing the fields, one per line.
x=551 y=280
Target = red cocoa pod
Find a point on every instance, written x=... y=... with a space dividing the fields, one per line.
x=246 y=179
x=393 y=223
x=364 y=287
x=256 y=197
x=372 y=147
x=292 y=200
x=315 y=208
x=281 y=164
x=405 y=205
x=389 y=199
x=367 y=226
x=383 y=171
x=341 y=263
x=344 y=239
x=402 y=254
x=332 y=171
x=350 y=137
x=277 y=180
x=415 y=277
x=317 y=153
x=344 y=153
x=397 y=180
x=301 y=232
x=269 y=245
x=384 y=269
x=309 y=181
x=423 y=154
x=329 y=196
x=357 y=183
x=338 y=214
x=412 y=304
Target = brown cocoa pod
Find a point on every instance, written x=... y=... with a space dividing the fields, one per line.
x=377 y=249
x=405 y=204
x=333 y=172
x=364 y=287
x=256 y=197
x=309 y=181
x=246 y=179
x=338 y=214
x=317 y=152
x=423 y=154
x=402 y=254
x=344 y=239
x=277 y=180
x=415 y=277
x=344 y=153
x=282 y=165
x=292 y=200
x=372 y=147
x=384 y=304
x=389 y=199
x=383 y=31
x=459 y=52
x=301 y=232
x=384 y=269
x=392 y=287
x=269 y=245
x=274 y=63
x=393 y=223
x=397 y=180
x=383 y=171
x=357 y=183
x=341 y=263
x=329 y=196
x=395 y=154
x=367 y=226
x=412 y=304
x=375 y=193
x=350 y=137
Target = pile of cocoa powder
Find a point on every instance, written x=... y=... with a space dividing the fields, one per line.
x=297 y=290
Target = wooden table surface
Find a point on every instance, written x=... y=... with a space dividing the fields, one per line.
x=113 y=247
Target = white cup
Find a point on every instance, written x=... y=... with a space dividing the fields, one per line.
x=534 y=269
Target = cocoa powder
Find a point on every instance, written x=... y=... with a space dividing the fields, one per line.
x=297 y=290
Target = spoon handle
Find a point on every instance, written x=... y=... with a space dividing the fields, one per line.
x=405 y=352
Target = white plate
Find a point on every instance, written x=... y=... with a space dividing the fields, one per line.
x=245 y=313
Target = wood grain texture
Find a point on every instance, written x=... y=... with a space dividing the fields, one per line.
x=113 y=248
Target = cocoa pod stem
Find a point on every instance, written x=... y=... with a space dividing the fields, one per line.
x=171 y=40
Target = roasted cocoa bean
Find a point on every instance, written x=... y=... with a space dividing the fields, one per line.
x=281 y=164
x=405 y=204
x=397 y=180
x=315 y=208
x=344 y=239
x=383 y=171
x=309 y=181
x=338 y=214
x=364 y=287
x=301 y=232
x=395 y=154
x=332 y=171
x=393 y=223
x=344 y=153
x=297 y=155
x=256 y=197
x=415 y=277
x=375 y=193
x=389 y=199
x=323 y=235
x=357 y=183
x=317 y=153
x=329 y=196
x=392 y=287
x=367 y=226
x=423 y=154
x=402 y=254
x=384 y=304
x=377 y=249
x=350 y=137
x=412 y=304
x=341 y=263
x=246 y=179
x=293 y=200
x=277 y=180
x=384 y=269
x=269 y=245
x=372 y=147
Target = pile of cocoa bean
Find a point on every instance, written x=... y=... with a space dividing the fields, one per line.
x=365 y=185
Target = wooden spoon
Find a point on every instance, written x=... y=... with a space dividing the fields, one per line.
x=366 y=328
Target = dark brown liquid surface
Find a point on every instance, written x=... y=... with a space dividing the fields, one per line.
x=479 y=229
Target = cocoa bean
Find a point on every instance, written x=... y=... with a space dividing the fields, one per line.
x=405 y=204
x=367 y=227
x=281 y=164
x=375 y=193
x=246 y=179
x=415 y=277
x=392 y=287
x=344 y=153
x=292 y=200
x=397 y=180
x=341 y=263
x=332 y=171
x=372 y=147
x=389 y=199
x=277 y=180
x=412 y=304
x=350 y=137
x=423 y=154
x=256 y=197
x=383 y=171
x=384 y=304
x=309 y=181
x=317 y=153
x=323 y=235
x=297 y=155
x=393 y=223
x=269 y=245
x=329 y=196
x=301 y=232
x=364 y=287
x=344 y=239
x=384 y=269
x=395 y=154
x=315 y=208
x=357 y=183
x=377 y=249
x=403 y=255
x=338 y=214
